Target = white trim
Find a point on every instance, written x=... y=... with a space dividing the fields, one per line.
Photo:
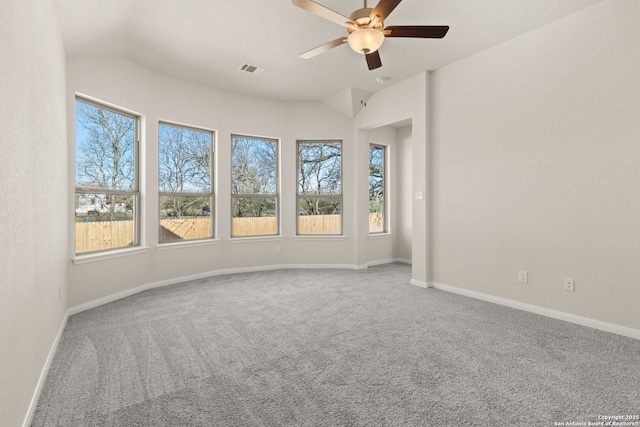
x=101 y=256
x=388 y=261
x=383 y=235
x=419 y=283
x=45 y=371
x=325 y=237
x=186 y=244
x=251 y=239
x=123 y=294
x=560 y=315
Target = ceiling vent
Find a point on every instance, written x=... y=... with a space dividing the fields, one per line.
x=251 y=69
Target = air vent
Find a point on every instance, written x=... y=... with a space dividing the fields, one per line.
x=251 y=69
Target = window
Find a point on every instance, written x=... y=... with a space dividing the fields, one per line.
x=106 y=196
x=185 y=183
x=319 y=187
x=254 y=186
x=377 y=189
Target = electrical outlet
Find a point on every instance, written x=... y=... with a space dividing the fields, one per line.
x=278 y=248
x=569 y=284
x=523 y=277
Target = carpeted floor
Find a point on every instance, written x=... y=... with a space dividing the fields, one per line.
x=330 y=348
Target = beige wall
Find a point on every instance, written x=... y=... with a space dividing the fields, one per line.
x=33 y=210
x=535 y=152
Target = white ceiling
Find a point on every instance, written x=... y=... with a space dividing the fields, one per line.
x=207 y=40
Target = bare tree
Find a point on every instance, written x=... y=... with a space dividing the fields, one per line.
x=376 y=179
x=184 y=167
x=106 y=152
x=319 y=174
x=254 y=176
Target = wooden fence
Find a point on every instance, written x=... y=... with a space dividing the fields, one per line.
x=258 y=226
x=93 y=236
x=175 y=229
x=98 y=235
x=319 y=224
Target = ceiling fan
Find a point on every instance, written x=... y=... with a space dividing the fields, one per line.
x=366 y=29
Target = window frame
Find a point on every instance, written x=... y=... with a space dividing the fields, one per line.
x=210 y=194
x=267 y=196
x=385 y=204
x=299 y=196
x=135 y=192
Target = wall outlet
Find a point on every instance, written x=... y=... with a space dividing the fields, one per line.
x=523 y=277
x=278 y=248
x=569 y=284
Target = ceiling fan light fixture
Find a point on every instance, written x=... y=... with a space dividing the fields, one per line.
x=366 y=40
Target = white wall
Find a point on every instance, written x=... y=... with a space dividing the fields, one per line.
x=536 y=145
x=527 y=156
x=396 y=244
x=407 y=99
x=403 y=194
x=381 y=247
x=156 y=96
x=33 y=211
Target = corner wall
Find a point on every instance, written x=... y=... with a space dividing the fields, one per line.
x=535 y=166
x=407 y=99
x=33 y=211
x=404 y=194
x=157 y=96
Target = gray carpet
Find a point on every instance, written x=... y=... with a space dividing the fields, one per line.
x=330 y=348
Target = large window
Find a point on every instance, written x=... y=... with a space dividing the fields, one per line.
x=319 y=187
x=185 y=183
x=377 y=189
x=106 y=195
x=254 y=186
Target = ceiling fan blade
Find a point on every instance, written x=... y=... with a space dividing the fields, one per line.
x=323 y=48
x=384 y=8
x=417 y=31
x=373 y=60
x=321 y=11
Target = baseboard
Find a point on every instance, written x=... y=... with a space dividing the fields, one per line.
x=419 y=283
x=43 y=374
x=560 y=315
x=388 y=261
x=119 y=295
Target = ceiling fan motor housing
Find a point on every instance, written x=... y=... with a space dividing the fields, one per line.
x=362 y=18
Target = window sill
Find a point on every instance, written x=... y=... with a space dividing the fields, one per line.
x=380 y=236
x=186 y=244
x=255 y=239
x=324 y=237
x=101 y=256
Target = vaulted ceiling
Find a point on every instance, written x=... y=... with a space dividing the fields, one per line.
x=208 y=40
